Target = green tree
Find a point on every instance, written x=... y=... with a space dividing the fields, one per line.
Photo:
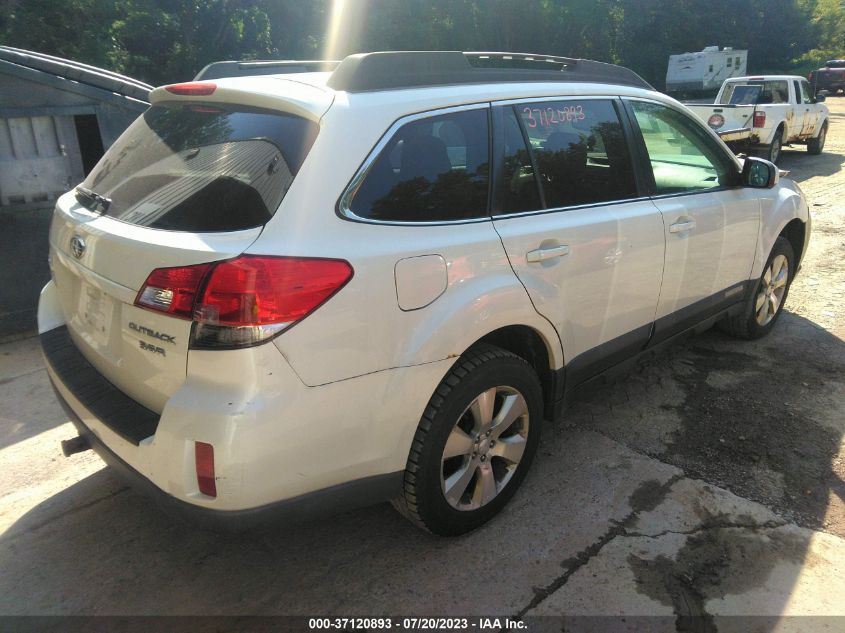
x=775 y=32
x=75 y=29
x=297 y=27
x=170 y=40
x=828 y=23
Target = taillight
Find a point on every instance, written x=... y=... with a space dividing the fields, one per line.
x=759 y=119
x=192 y=88
x=206 y=479
x=268 y=290
x=172 y=290
x=246 y=300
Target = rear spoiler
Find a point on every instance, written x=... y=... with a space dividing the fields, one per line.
x=271 y=93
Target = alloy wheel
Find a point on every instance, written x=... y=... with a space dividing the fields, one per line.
x=484 y=448
x=771 y=290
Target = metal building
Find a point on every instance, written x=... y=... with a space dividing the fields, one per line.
x=56 y=119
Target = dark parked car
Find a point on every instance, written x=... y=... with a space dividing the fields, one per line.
x=830 y=78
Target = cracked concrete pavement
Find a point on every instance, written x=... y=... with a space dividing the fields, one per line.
x=707 y=484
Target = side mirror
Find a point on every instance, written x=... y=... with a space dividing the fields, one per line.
x=759 y=173
x=820 y=98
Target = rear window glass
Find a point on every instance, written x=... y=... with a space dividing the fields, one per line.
x=755 y=92
x=201 y=168
x=432 y=170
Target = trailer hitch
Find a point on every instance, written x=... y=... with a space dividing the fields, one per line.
x=76 y=445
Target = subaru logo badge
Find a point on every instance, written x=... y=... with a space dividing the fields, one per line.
x=77 y=246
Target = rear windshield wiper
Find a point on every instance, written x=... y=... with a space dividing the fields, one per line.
x=92 y=200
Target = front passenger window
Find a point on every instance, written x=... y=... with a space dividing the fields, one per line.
x=683 y=157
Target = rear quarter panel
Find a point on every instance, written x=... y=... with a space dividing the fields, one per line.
x=776 y=114
x=362 y=329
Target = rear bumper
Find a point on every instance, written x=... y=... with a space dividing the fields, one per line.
x=333 y=500
x=122 y=415
x=280 y=447
x=114 y=425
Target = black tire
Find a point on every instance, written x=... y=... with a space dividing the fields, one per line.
x=480 y=369
x=773 y=151
x=815 y=146
x=745 y=325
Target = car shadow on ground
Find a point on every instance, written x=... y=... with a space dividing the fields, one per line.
x=802 y=166
x=755 y=417
x=763 y=418
x=31 y=408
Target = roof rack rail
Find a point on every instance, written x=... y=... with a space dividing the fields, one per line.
x=413 y=69
x=82 y=73
x=248 y=68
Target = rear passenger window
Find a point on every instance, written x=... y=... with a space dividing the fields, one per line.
x=580 y=151
x=432 y=170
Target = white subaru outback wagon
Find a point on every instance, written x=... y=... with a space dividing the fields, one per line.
x=278 y=295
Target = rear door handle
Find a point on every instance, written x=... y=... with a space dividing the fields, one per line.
x=545 y=253
x=680 y=227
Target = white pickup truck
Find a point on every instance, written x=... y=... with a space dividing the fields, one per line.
x=762 y=114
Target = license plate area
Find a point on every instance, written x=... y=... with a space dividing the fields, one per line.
x=96 y=312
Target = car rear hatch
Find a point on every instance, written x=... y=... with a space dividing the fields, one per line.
x=191 y=181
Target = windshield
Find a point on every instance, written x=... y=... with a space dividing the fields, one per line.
x=199 y=168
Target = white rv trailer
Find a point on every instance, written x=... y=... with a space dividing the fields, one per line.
x=691 y=74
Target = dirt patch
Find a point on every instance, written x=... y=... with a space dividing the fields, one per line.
x=649 y=495
x=764 y=419
x=757 y=431
x=711 y=564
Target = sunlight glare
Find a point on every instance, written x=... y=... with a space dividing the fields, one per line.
x=336 y=41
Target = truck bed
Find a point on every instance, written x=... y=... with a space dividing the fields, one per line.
x=738 y=117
